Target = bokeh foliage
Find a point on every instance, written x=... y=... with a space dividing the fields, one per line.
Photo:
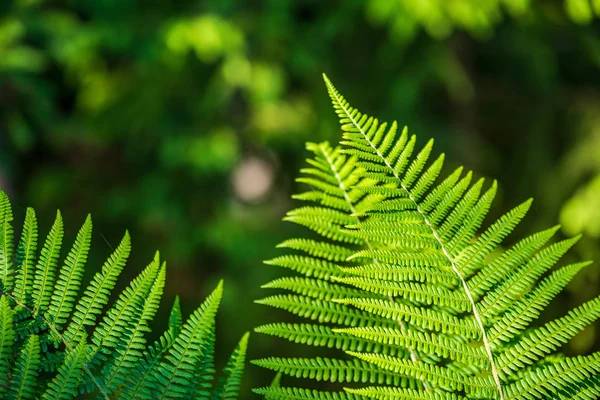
x=186 y=121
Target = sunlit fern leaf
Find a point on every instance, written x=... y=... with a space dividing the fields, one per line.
x=25 y=370
x=431 y=280
x=229 y=384
x=391 y=393
x=513 y=294
x=45 y=349
x=293 y=393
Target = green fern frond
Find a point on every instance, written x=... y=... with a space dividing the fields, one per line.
x=175 y=318
x=121 y=318
x=97 y=293
x=130 y=343
x=331 y=370
x=26 y=258
x=25 y=371
x=229 y=385
x=70 y=275
x=205 y=368
x=425 y=276
x=390 y=393
x=182 y=356
x=324 y=336
x=292 y=393
x=64 y=385
x=7 y=338
x=6 y=243
x=46 y=266
x=45 y=349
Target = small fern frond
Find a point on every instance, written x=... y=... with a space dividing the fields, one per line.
x=131 y=342
x=69 y=277
x=64 y=385
x=7 y=338
x=293 y=393
x=46 y=266
x=229 y=384
x=6 y=243
x=175 y=319
x=331 y=370
x=25 y=257
x=25 y=371
x=205 y=368
x=97 y=293
x=120 y=318
x=181 y=358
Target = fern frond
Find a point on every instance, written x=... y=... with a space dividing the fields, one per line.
x=446 y=294
x=69 y=277
x=425 y=318
x=64 y=385
x=443 y=377
x=391 y=393
x=205 y=368
x=323 y=336
x=229 y=384
x=331 y=370
x=321 y=310
x=96 y=294
x=6 y=243
x=144 y=377
x=537 y=342
x=25 y=371
x=427 y=343
x=46 y=266
x=45 y=350
x=26 y=258
x=180 y=359
x=131 y=342
x=7 y=338
x=121 y=319
x=175 y=318
x=528 y=308
x=546 y=380
x=292 y=393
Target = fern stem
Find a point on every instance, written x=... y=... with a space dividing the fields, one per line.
x=401 y=324
x=478 y=319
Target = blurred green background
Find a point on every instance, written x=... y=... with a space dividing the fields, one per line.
x=185 y=122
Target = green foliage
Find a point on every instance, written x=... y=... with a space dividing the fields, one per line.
x=425 y=302
x=440 y=17
x=45 y=350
